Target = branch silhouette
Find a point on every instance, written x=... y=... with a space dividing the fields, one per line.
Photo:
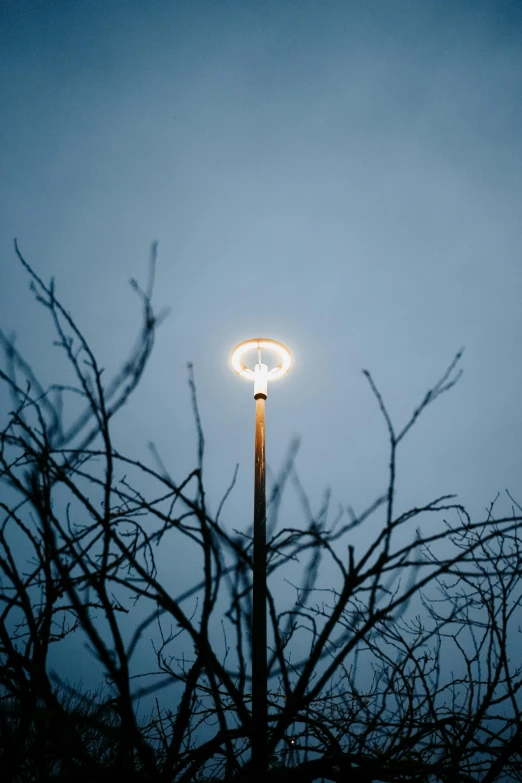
x=391 y=660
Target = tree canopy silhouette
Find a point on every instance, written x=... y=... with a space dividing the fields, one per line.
x=391 y=661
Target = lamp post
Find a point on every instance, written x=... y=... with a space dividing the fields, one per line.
x=260 y=375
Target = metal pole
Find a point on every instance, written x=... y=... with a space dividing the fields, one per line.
x=260 y=375
x=259 y=656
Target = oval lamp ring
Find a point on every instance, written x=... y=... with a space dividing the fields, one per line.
x=259 y=344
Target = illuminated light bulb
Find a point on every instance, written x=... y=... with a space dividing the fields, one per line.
x=261 y=377
x=260 y=381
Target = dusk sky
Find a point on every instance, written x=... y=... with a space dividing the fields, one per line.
x=344 y=177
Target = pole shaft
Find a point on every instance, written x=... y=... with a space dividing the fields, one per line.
x=259 y=640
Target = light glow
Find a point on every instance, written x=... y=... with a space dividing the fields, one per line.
x=259 y=344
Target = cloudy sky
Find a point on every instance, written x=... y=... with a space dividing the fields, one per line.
x=342 y=176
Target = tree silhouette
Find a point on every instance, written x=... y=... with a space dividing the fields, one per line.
x=393 y=661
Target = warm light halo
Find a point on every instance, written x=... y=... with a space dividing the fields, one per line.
x=270 y=345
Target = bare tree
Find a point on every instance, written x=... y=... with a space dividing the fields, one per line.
x=389 y=662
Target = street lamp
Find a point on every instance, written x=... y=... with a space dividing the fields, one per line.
x=260 y=375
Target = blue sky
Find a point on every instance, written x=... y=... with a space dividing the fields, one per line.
x=342 y=176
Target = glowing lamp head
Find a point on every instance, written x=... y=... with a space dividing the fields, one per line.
x=260 y=374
